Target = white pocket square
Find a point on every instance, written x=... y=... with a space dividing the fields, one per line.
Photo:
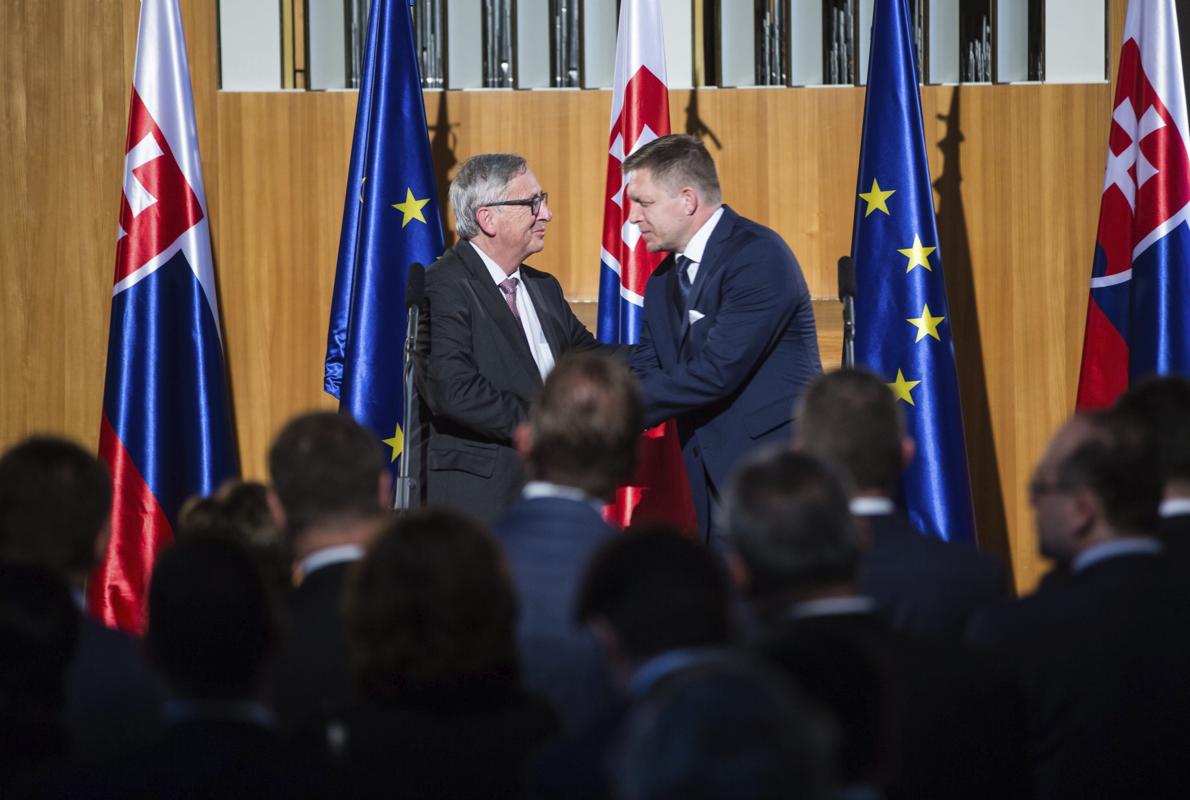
x=695 y=315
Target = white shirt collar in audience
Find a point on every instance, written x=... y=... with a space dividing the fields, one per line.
x=494 y=269
x=536 y=490
x=649 y=673
x=1174 y=507
x=249 y=711
x=698 y=243
x=872 y=506
x=831 y=606
x=330 y=555
x=1129 y=546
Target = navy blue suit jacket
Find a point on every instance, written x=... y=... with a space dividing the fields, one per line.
x=925 y=586
x=733 y=377
x=548 y=542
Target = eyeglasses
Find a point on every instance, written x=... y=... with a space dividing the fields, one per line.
x=534 y=203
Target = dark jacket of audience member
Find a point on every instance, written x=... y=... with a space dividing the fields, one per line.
x=578 y=445
x=441 y=712
x=924 y=586
x=919 y=718
x=1103 y=650
x=55 y=501
x=328 y=489
x=659 y=604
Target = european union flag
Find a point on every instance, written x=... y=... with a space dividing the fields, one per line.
x=390 y=220
x=902 y=326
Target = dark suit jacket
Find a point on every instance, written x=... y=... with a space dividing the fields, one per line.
x=476 y=377
x=926 y=586
x=733 y=377
x=311 y=677
x=1104 y=656
x=548 y=542
x=1174 y=533
x=112 y=701
x=918 y=718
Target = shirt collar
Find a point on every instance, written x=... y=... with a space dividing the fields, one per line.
x=698 y=242
x=830 y=606
x=494 y=269
x=669 y=662
x=535 y=490
x=248 y=711
x=1174 y=507
x=1129 y=546
x=871 y=506
x=330 y=555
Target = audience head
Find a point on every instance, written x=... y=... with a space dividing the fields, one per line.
x=731 y=730
x=673 y=190
x=849 y=418
x=55 y=506
x=431 y=605
x=787 y=519
x=584 y=425
x=327 y=473
x=1163 y=404
x=239 y=510
x=213 y=619
x=1097 y=480
x=651 y=591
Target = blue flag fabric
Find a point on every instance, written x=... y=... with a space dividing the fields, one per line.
x=903 y=329
x=391 y=219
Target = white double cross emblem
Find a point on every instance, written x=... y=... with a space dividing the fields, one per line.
x=1118 y=166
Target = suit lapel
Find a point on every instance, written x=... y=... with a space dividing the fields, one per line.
x=712 y=262
x=491 y=301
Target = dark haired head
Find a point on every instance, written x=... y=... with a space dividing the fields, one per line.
x=788 y=518
x=431 y=604
x=239 y=510
x=584 y=425
x=325 y=469
x=1163 y=404
x=55 y=501
x=851 y=419
x=658 y=591
x=213 y=619
x=676 y=161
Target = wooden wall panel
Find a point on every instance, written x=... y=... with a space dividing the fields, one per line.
x=1017 y=172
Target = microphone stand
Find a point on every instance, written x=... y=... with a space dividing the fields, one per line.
x=847 y=295
x=413 y=295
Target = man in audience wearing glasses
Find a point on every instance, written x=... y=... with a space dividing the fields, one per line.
x=492 y=328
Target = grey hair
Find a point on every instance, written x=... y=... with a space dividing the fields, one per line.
x=482 y=180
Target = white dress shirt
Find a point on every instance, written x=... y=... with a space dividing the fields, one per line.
x=698 y=244
x=530 y=323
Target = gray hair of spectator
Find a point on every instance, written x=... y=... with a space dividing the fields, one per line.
x=788 y=518
x=481 y=181
x=676 y=161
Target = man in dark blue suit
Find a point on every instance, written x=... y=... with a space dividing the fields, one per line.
x=924 y=586
x=728 y=340
x=579 y=443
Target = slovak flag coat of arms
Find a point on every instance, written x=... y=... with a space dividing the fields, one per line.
x=166 y=432
x=1138 y=317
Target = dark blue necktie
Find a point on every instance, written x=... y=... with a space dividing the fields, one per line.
x=684 y=282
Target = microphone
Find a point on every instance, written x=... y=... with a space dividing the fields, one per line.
x=415 y=287
x=847 y=295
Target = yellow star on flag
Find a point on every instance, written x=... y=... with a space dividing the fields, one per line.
x=877 y=199
x=411 y=208
x=902 y=388
x=397 y=443
x=917 y=254
x=926 y=325
x=362 y=181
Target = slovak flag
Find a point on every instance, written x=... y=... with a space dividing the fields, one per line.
x=659 y=492
x=166 y=431
x=1138 y=317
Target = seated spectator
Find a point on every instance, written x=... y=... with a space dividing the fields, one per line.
x=922 y=584
x=918 y=718
x=240 y=510
x=55 y=501
x=658 y=603
x=1104 y=651
x=578 y=445
x=731 y=730
x=329 y=488
x=441 y=712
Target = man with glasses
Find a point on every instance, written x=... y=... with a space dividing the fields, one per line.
x=491 y=330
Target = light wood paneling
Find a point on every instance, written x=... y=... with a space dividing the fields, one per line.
x=1017 y=171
